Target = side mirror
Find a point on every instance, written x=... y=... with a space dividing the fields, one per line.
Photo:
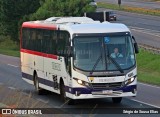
x=136 y=48
x=135 y=45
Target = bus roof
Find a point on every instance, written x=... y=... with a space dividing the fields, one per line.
x=80 y=25
x=96 y=28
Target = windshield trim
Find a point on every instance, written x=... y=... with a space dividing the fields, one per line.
x=102 y=35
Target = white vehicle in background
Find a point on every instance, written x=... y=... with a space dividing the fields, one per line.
x=71 y=56
x=93 y=3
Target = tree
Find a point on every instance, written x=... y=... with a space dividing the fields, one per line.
x=11 y=11
x=14 y=12
x=58 y=8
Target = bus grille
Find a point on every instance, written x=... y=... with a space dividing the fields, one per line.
x=98 y=86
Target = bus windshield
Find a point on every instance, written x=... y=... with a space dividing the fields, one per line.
x=108 y=53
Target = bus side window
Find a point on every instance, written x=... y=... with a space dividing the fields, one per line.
x=53 y=42
x=63 y=41
x=33 y=39
x=25 y=38
x=38 y=42
x=46 y=41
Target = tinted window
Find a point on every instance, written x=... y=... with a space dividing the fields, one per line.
x=25 y=38
x=46 y=41
x=63 y=41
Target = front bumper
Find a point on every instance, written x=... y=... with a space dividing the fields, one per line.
x=86 y=93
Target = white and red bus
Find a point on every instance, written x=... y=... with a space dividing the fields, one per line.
x=76 y=58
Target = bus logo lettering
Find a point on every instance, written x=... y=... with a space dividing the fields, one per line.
x=56 y=66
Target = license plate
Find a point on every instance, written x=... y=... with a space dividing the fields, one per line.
x=107 y=92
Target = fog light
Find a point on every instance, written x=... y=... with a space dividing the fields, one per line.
x=134 y=91
x=77 y=93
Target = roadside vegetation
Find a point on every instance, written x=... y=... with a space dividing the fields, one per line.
x=148 y=67
x=106 y=5
x=156 y=0
x=11 y=18
x=9 y=47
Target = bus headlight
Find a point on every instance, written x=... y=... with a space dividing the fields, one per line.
x=81 y=82
x=129 y=81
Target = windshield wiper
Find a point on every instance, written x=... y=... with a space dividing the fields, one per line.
x=115 y=63
x=95 y=65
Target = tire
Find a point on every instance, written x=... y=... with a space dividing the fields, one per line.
x=62 y=92
x=63 y=95
x=36 y=84
x=117 y=100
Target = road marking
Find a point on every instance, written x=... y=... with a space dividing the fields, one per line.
x=12 y=65
x=145 y=103
x=154 y=32
x=149 y=85
x=12 y=88
x=144 y=29
x=42 y=100
x=25 y=93
x=146 y=33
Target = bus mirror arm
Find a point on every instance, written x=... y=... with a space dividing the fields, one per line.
x=135 y=45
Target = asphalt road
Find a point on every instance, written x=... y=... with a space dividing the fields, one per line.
x=10 y=76
x=135 y=3
x=145 y=28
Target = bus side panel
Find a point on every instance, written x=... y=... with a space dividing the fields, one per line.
x=28 y=67
x=39 y=68
x=51 y=76
x=55 y=70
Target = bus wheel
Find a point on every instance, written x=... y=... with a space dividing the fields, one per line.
x=62 y=92
x=117 y=100
x=36 y=83
x=63 y=95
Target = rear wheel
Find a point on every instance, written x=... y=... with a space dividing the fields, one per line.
x=117 y=100
x=36 y=83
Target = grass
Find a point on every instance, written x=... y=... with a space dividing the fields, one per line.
x=8 y=47
x=130 y=8
x=148 y=67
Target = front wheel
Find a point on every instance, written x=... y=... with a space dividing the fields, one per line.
x=37 y=88
x=117 y=100
x=63 y=95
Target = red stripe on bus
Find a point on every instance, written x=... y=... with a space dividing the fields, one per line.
x=39 y=26
x=39 y=54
